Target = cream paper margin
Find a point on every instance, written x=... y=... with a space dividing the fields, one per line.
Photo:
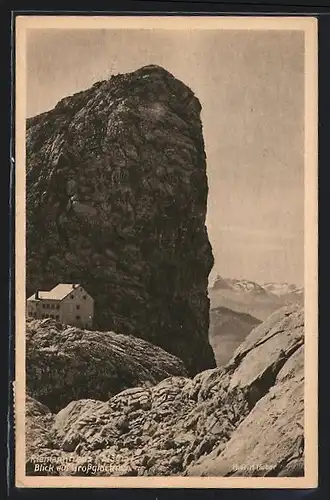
x=309 y=26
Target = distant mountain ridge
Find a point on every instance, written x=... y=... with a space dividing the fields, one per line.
x=247 y=296
x=228 y=329
x=277 y=288
x=245 y=285
x=286 y=291
x=280 y=288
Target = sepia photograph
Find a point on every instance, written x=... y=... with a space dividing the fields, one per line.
x=166 y=251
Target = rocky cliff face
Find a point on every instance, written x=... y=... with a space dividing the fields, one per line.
x=66 y=363
x=116 y=200
x=269 y=367
x=245 y=419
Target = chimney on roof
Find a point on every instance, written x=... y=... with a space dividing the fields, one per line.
x=73 y=285
x=37 y=295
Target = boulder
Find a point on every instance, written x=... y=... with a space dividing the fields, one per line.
x=67 y=363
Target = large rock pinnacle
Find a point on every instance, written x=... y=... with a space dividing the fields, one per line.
x=116 y=200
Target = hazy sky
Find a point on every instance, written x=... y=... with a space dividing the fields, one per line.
x=251 y=87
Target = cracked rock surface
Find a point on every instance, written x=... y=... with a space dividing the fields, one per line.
x=270 y=440
x=66 y=363
x=243 y=419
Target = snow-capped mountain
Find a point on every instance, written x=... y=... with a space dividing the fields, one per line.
x=286 y=292
x=247 y=296
x=245 y=285
x=280 y=289
x=220 y=283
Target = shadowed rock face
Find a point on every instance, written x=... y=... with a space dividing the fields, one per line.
x=116 y=200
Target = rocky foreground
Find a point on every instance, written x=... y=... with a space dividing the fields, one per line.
x=244 y=420
x=116 y=200
x=64 y=363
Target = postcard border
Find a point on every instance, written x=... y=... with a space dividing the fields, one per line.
x=309 y=26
